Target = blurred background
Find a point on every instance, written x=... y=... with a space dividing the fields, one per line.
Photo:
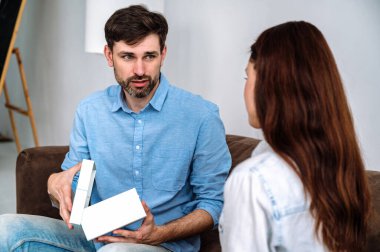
x=208 y=48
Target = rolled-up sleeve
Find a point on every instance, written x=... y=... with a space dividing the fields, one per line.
x=78 y=145
x=211 y=164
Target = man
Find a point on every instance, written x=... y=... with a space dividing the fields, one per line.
x=144 y=134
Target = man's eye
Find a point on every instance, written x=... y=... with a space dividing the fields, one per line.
x=150 y=57
x=127 y=57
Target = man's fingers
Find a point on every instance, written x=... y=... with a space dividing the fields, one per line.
x=73 y=170
x=145 y=206
x=108 y=239
x=65 y=205
x=68 y=202
x=65 y=214
x=59 y=189
x=66 y=218
x=126 y=233
x=149 y=216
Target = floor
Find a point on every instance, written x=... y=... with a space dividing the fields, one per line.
x=8 y=155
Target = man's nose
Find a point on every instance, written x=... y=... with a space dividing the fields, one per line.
x=139 y=68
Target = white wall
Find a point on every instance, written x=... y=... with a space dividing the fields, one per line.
x=59 y=72
x=208 y=45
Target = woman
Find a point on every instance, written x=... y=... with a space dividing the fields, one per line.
x=304 y=188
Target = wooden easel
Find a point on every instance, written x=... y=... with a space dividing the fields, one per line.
x=11 y=108
x=11 y=12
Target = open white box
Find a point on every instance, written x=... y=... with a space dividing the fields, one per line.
x=83 y=191
x=107 y=215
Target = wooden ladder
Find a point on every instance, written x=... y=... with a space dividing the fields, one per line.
x=12 y=108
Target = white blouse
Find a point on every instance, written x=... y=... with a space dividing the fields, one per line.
x=265 y=208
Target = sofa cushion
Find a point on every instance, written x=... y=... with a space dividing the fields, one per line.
x=373 y=242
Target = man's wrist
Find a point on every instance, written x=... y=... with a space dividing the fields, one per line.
x=161 y=235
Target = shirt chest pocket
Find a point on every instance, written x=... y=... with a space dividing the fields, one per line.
x=170 y=169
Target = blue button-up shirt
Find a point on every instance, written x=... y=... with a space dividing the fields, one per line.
x=173 y=152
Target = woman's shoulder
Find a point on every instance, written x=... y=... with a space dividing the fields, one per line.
x=263 y=160
x=275 y=178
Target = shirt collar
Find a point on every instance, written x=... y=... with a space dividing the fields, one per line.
x=159 y=96
x=262 y=147
x=156 y=102
x=120 y=102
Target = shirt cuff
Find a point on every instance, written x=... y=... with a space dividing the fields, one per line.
x=213 y=210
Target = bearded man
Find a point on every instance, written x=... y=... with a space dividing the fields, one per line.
x=143 y=133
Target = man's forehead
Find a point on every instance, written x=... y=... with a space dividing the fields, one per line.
x=148 y=44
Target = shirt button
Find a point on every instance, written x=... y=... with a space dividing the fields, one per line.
x=137 y=147
x=137 y=173
x=139 y=121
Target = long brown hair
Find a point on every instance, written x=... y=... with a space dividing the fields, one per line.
x=303 y=112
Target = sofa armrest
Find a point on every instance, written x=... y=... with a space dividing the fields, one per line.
x=33 y=167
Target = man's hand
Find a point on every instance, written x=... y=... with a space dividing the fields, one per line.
x=59 y=189
x=148 y=233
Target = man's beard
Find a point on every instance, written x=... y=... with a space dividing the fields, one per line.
x=137 y=92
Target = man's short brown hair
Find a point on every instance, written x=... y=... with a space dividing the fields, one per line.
x=133 y=24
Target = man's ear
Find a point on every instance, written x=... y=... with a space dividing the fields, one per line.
x=163 y=55
x=108 y=55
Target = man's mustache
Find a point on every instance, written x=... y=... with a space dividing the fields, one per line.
x=139 y=78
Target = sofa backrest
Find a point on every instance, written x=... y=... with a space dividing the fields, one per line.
x=240 y=148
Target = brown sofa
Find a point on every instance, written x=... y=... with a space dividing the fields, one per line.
x=34 y=165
